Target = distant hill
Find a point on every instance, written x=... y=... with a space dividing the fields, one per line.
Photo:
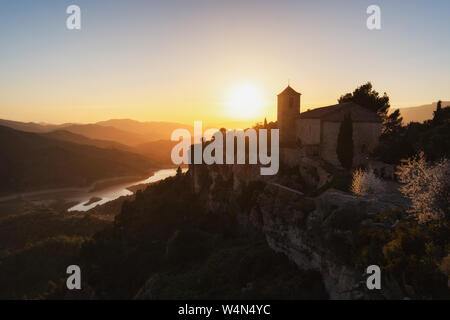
x=68 y=136
x=420 y=113
x=124 y=131
x=100 y=132
x=159 y=151
x=152 y=130
x=31 y=126
x=31 y=162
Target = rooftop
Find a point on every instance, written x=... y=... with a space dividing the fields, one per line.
x=289 y=91
x=337 y=112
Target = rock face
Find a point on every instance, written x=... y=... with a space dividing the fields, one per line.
x=312 y=169
x=316 y=233
x=308 y=232
x=321 y=234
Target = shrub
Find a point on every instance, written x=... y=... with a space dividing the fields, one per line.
x=365 y=182
x=411 y=254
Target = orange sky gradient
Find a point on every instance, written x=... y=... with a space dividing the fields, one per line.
x=179 y=62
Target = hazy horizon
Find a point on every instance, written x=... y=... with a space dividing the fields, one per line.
x=231 y=124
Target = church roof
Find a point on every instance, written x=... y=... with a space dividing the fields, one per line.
x=289 y=91
x=337 y=112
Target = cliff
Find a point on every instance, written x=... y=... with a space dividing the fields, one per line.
x=317 y=233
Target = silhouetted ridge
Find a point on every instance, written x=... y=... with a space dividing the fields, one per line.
x=32 y=162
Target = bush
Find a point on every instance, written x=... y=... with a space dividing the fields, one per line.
x=411 y=254
x=365 y=182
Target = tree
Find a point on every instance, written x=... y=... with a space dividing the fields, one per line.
x=392 y=124
x=368 y=98
x=427 y=186
x=438 y=113
x=265 y=123
x=393 y=129
x=344 y=147
x=432 y=137
x=179 y=172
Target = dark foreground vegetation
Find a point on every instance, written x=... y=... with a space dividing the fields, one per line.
x=166 y=240
x=36 y=247
x=163 y=245
x=432 y=137
x=414 y=257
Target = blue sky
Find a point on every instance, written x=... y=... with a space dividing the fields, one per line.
x=176 y=60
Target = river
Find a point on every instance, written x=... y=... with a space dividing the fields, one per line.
x=113 y=192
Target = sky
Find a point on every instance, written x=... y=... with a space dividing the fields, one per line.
x=183 y=60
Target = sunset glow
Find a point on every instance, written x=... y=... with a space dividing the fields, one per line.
x=166 y=62
x=245 y=102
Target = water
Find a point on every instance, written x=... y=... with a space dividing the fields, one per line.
x=114 y=192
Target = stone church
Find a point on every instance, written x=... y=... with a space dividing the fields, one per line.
x=314 y=133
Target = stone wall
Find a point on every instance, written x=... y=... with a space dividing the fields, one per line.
x=365 y=139
x=308 y=131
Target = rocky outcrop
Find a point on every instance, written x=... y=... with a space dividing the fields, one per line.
x=304 y=230
x=316 y=233
x=320 y=234
x=315 y=172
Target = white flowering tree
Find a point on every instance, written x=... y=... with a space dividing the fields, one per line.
x=427 y=186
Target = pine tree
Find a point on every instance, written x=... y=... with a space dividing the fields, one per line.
x=368 y=98
x=438 y=113
x=344 y=147
x=392 y=124
x=179 y=172
x=265 y=123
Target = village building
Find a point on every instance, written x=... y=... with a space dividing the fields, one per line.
x=314 y=133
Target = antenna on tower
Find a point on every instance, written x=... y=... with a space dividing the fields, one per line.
x=289 y=82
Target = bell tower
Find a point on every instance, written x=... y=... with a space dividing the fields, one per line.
x=288 y=111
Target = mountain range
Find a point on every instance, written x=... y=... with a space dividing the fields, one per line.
x=89 y=151
x=124 y=131
x=420 y=113
x=33 y=161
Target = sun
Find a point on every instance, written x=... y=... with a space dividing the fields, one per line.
x=245 y=102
